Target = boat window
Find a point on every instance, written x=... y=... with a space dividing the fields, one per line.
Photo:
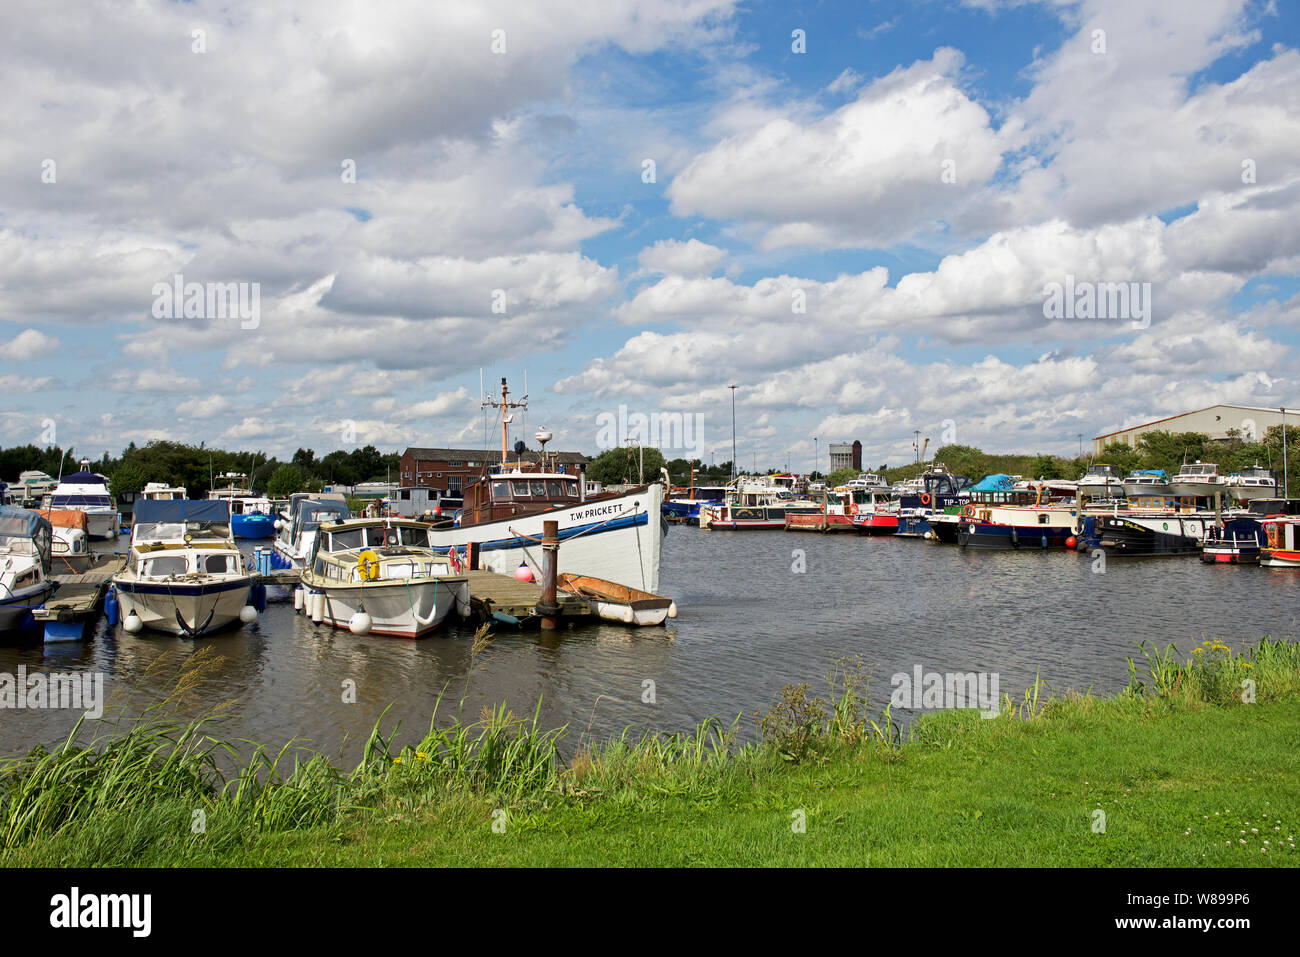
x=166 y=565
x=539 y=488
x=415 y=536
x=500 y=490
x=217 y=564
x=351 y=538
x=555 y=488
x=520 y=488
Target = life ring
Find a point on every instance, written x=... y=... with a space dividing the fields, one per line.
x=969 y=511
x=925 y=498
x=368 y=565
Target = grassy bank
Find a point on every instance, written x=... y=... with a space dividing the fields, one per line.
x=1183 y=769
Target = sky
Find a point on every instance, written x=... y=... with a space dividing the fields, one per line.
x=856 y=213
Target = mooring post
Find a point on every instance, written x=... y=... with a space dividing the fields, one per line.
x=548 y=608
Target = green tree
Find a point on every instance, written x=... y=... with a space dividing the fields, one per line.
x=127 y=478
x=619 y=466
x=284 y=482
x=840 y=476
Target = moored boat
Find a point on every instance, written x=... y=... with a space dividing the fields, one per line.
x=1102 y=481
x=1001 y=515
x=88 y=492
x=184 y=573
x=1251 y=484
x=381 y=576
x=1281 y=541
x=1197 y=480
x=1146 y=482
x=614 y=602
x=25 y=584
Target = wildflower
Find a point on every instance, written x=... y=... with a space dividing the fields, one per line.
x=398 y=760
x=421 y=755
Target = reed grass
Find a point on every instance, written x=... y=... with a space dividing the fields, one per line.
x=140 y=782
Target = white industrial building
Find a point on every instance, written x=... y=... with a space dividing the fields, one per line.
x=1250 y=422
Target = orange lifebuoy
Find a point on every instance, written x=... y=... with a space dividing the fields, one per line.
x=925 y=498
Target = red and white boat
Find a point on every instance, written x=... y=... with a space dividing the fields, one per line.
x=878 y=514
x=1281 y=541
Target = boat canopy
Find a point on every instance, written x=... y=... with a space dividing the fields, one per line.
x=67 y=518
x=994 y=483
x=25 y=525
x=154 y=511
x=1157 y=472
x=84 y=478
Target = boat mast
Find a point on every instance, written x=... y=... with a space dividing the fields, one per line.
x=505 y=405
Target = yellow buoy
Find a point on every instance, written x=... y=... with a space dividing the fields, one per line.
x=368 y=565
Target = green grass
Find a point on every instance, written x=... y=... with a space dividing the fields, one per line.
x=1179 y=764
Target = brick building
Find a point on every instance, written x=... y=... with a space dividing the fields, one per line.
x=452 y=469
x=845 y=456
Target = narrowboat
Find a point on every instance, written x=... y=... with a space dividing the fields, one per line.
x=1281 y=541
x=1000 y=515
x=1237 y=541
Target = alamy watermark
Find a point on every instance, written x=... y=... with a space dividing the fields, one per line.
x=661 y=430
x=923 y=690
x=82 y=691
x=1098 y=300
x=209 y=300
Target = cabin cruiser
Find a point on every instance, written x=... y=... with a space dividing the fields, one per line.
x=184 y=573
x=25 y=584
x=1102 y=481
x=1251 y=484
x=877 y=513
x=298 y=524
x=71 y=537
x=1145 y=482
x=162 y=492
x=1197 y=480
x=251 y=516
x=88 y=492
x=381 y=576
x=31 y=489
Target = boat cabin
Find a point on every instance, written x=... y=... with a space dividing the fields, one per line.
x=518 y=492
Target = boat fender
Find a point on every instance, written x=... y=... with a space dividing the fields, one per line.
x=360 y=623
x=316 y=601
x=248 y=614
x=672 y=610
x=132 y=623
x=297 y=599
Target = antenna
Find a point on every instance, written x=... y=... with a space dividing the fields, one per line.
x=504 y=404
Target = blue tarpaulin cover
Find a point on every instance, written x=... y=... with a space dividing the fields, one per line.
x=994 y=483
x=148 y=511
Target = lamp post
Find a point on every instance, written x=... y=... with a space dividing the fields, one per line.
x=916 y=444
x=733 y=431
x=1080 y=445
x=814 y=470
x=1286 y=479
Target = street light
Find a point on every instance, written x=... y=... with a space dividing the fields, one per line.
x=916 y=444
x=814 y=470
x=733 y=431
x=1286 y=479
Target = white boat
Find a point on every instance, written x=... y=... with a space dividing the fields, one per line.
x=1250 y=484
x=1146 y=482
x=184 y=573
x=615 y=535
x=88 y=492
x=613 y=602
x=162 y=492
x=31 y=489
x=298 y=523
x=25 y=584
x=71 y=540
x=1197 y=480
x=1102 y=481
x=381 y=576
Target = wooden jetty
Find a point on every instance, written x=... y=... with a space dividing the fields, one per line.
x=506 y=599
x=78 y=599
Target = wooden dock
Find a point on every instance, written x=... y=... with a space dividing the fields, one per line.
x=78 y=598
x=506 y=599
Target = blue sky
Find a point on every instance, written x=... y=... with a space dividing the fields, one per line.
x=779 y=175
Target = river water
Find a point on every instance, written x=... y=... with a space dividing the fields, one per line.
x=758 y=610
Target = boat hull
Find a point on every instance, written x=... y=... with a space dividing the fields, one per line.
x=617 y=539
x=817 y=522
x=1170 y=535
x=977 y=534
x=16 y=611
x=252 y=525
x=190 y=609
x=876 y=524
x=1196 y=489
x=1280 y=558
x=406 y=608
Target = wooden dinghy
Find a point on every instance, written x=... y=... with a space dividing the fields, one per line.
x=614 y=602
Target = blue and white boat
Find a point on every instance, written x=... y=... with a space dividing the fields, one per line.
x=1002 y=515
x=251 y=516
x=687 y=509
x=25 y=549
x=88 y=492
